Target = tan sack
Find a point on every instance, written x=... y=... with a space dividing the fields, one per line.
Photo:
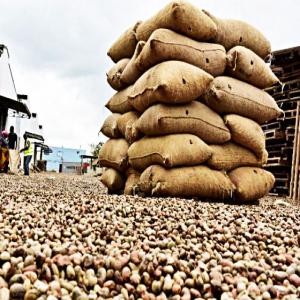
x=126 y=125
x=110 y=126
x=169 y=151
x=173 y=82
x=182 y=17
x=245 y=65
x=113 y=180
x=197 y=181
x=14 y=161
x=232 y=33
x=119 y=102
x=251 y=183
x=133 y=178
x=114 y=74
x=165 y=44
x=230 y=155
x=247 y=133
x=124 y=46
x=113 y=154
x=228 y=95
x=195 y=118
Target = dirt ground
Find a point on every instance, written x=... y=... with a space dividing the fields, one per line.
x=63 y=237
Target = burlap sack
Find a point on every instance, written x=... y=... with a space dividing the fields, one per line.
x=231 y=33
x=14 y=161
x=195 y=118
x=124 y=46
x=230 y=155
x=245 y=65
x=114 y=74
x=181 y=17
x=113 y=180
x=165 y=44
x=251 y=183
x=229 y=95
x=133 y=178
x=169 y=151
x=119 y=102
x=126 y=125
x=110 y=126
x=133 y=70
x=173 y=82
x=198 y=181
x=113 y=154
x=247 y=133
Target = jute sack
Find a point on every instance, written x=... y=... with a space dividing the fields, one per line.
x=113 y=154
x=14 y=161
x=113 y=180
x=251 y=183
x=173 y=82
x=230 y=155
x=194 y=118
x=133 y=178
x=126 y=125
x=119 y=102
x=197 y=181
x=114 y=74
x=110 y=126
x=231 y=33
x=228 y=95
x=182 y=17
x=247 y=133
x=169 y=151
x=133 y=70
x=244 y=64
x=124 y=46
x=165 y=44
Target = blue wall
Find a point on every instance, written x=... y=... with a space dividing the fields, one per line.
x=60 y=155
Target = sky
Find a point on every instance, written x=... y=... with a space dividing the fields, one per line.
x=58 y=52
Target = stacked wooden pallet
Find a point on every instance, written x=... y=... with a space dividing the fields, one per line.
x=282 y=134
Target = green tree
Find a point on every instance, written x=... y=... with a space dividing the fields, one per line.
x=95 y=148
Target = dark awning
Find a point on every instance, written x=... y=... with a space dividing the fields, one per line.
x=88 y=156
x=14 y=105
x=34 y=136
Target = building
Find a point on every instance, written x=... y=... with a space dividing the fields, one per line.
x=64 y=160
x=11 y=104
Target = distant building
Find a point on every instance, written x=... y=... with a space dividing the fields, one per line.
x=64 y=160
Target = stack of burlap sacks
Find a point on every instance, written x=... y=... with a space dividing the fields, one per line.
x=185 y=120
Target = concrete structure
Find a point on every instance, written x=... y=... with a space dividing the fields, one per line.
x=65 y=160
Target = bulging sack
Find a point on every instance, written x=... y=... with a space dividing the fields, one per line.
x=230 y=155
x=247 y=133
x=119 y=102
x=168 y=151
x=174 y=82
x=110 y=126
x=231 y=33
x=194 y=118
x=114 y=74
x=182 y=17
x=251 y=183
x=113 y=180
x=131 y=185
x=124 y=46
x=165 y=44
x=228 y=95
x=113 y=154
x=198 y=181
x=126 y=125
x=244 y=64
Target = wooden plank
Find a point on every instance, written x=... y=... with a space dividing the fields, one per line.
x=296 y=166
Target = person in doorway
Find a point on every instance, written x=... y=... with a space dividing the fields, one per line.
x=28 y=153
x=12 y=138
x=4 y=154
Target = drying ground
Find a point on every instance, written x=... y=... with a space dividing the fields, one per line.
x=63 y=237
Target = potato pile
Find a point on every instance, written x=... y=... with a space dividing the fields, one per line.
x=186 y=116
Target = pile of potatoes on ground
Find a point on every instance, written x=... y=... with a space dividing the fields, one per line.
x=186 y=116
